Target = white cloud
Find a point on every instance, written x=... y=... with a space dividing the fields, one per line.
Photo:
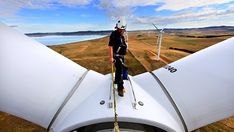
x=133 y=3
x=15 y=5
x=27 y=28
x=124 y=8
x=185 y=13
x=84 y=15
x=174 y=5
x=60 y=27
x=72 y=3
x=177 y=5
x=116 y=9
x=115 y=12
x=206 y=15
x=10 y=7
x=231 y=6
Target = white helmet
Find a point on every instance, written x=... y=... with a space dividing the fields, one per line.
x=121 y=24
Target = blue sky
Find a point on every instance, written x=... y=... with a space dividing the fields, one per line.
x=78 y=15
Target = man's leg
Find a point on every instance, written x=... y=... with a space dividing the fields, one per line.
x=119 y=75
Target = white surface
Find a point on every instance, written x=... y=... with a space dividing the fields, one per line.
x=85 y=110
x=34 y=80
x=148 y=83
x=203 y=85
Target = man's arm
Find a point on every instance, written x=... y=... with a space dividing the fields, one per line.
x=111 y=54
x=111 y=42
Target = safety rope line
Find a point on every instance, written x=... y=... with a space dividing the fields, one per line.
x=116 y=126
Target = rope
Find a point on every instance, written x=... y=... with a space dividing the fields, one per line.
x=116 y=126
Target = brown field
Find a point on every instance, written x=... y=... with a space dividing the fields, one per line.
x=141 y=57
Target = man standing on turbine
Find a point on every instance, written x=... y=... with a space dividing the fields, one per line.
x=117 y=50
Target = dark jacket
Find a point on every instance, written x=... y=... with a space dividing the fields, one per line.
x=118 y=43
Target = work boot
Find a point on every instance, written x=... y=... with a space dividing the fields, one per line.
x=124 y=90
x=121 y=92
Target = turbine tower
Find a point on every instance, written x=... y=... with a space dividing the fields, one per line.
x=159 y=40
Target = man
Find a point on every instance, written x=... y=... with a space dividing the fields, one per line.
x=117 y=49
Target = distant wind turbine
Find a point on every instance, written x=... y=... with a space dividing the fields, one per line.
x=159 y=40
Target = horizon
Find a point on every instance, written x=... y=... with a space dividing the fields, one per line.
x=31 y=16
x=131 y=30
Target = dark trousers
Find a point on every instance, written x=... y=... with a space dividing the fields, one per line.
x=119 y=71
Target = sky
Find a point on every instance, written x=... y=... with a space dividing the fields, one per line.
x=30 y=16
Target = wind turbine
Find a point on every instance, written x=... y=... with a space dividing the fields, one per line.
x=64 y=96
x=159 y=40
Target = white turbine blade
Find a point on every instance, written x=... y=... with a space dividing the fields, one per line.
x=163 y=28
x=155 y=26
x=202 y=84
x=199 y=87
x=34 y=80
